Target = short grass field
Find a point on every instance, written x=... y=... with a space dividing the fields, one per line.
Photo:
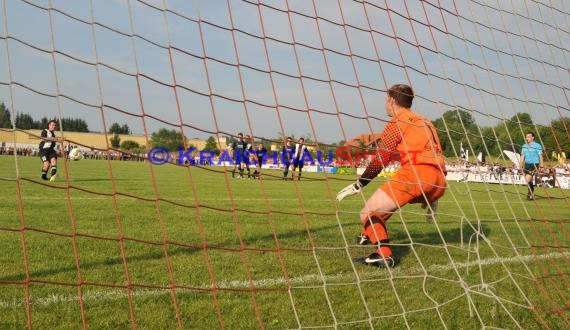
x=117 y=245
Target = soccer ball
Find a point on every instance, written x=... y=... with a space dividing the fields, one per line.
x=75 y=154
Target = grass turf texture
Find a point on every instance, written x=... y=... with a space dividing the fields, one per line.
x=112 y=244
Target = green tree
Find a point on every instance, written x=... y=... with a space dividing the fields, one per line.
x=510 y=133
x=167 y=138
x=5 y=118
x=489 y=143
x=74 y=125
x=115 y=128
x=43 y=123
x=115 y=141
x=129 y=145
x=118 y=129
x=518 y=125
x=456 y=127
x=560 y=134
x=212 y=145
x=24 y=121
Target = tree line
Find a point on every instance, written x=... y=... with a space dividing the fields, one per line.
x=455 y=127
x=26 y=121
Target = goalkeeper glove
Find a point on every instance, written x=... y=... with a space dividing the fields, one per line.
x=349 y=190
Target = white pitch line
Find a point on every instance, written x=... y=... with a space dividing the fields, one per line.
x=114 y=294
x=190 y=198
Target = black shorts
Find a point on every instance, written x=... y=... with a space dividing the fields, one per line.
x=47 y=154
x=531 y=169
x=298 y=163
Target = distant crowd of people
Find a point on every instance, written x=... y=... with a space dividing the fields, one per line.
x=500 y=172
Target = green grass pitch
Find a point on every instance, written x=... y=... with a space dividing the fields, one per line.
x=122 y=244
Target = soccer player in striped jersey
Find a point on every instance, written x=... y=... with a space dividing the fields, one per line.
x=300 y=149
x=420 y=179
x=47 y=151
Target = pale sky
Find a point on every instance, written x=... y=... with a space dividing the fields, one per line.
x=80 y=59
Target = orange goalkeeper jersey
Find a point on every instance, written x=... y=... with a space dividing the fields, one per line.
x=413 y=139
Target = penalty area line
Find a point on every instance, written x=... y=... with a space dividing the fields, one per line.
x=115 y=294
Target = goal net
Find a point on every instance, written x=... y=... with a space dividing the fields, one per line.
x=156 y=227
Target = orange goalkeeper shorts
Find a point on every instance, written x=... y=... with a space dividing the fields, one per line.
x=415 y=183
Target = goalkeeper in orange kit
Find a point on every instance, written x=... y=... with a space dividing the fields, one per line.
x=421 y=179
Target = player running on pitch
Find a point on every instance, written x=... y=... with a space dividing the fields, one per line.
x=421 y=179
x=47 y=151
